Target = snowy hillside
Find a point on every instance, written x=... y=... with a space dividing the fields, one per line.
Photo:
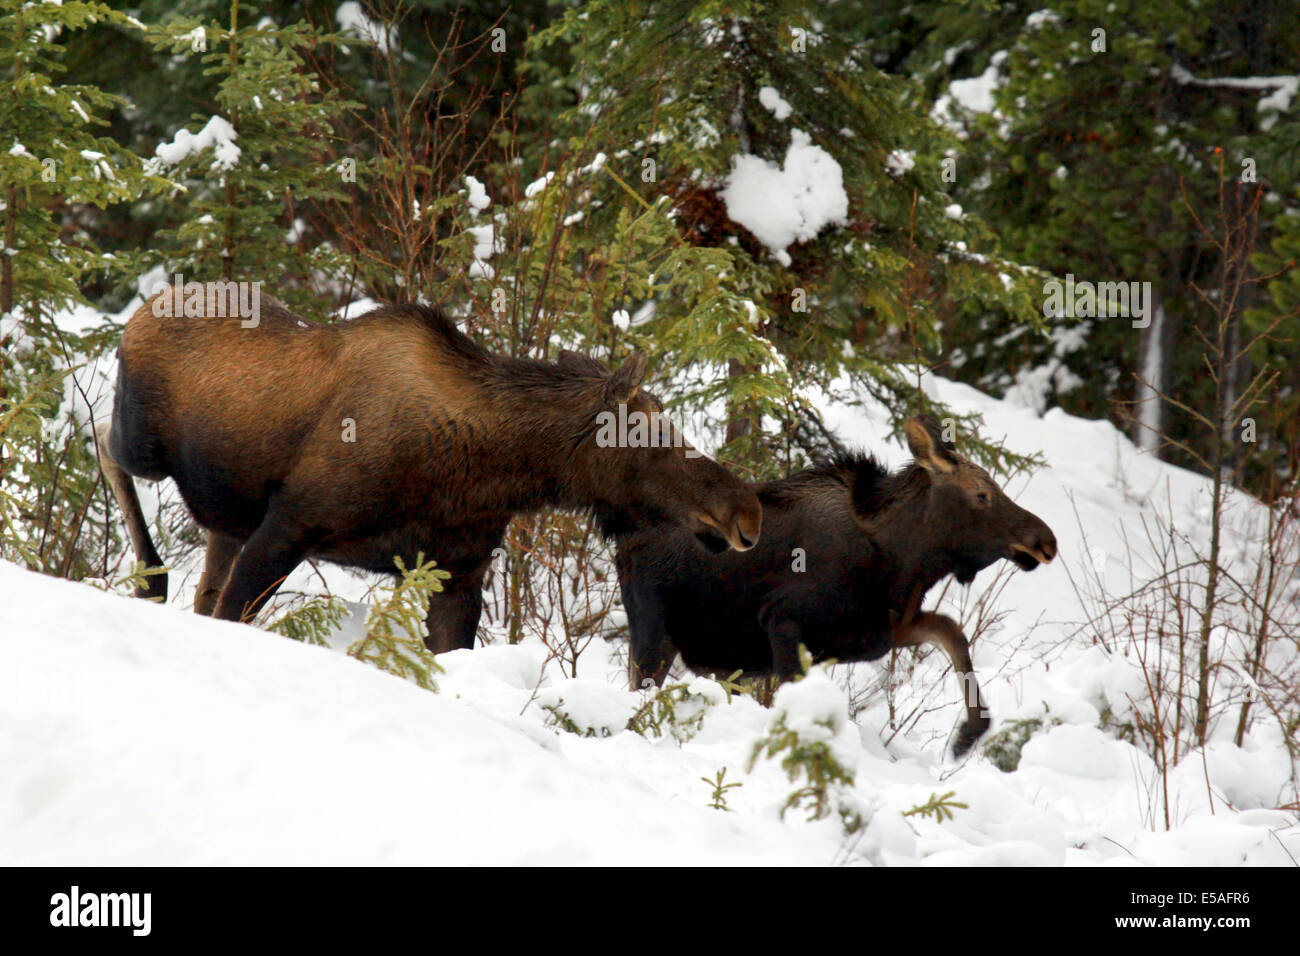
x=134 y=734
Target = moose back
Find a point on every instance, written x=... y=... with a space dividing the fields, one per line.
x=388 y=435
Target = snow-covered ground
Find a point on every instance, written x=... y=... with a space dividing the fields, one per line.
x=138 y=734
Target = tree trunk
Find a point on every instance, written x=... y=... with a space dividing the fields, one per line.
x=739 y=421
x=1157 y=345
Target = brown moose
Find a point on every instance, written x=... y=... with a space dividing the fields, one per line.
x=389 y=435
x=848 y=553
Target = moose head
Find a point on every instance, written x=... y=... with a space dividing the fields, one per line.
x=966 y=516
x=641 y=469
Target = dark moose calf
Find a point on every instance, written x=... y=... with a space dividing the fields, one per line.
x=847 y=555
x=389 y=435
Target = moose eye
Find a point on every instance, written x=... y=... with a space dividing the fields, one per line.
x=983 y=499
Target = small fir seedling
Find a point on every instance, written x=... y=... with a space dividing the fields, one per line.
x=311 y=622
x=718 y=800
x=939 y=807
x=808 y=757
x=395 y=628
x=561 y=719
x=678 y=710
x=135 y=581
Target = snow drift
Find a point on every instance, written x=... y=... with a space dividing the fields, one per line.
x=138 y=734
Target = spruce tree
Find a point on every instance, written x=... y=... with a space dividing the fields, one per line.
x=690 y=117
x=253 y=169
x=57 y=172
x=54 y=162
x=1092 y=133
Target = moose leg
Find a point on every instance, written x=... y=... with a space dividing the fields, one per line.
x=945 y=633
x=273 y=551
x=785 y=636
x=650 y=653
x=123 y=487
x=650 y=666
x=221 y=554
x=453 y=617
x=454 y=612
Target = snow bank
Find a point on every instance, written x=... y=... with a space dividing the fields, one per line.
x=135 y=734
x=138 y=734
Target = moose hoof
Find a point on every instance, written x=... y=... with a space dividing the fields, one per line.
x=969 y=732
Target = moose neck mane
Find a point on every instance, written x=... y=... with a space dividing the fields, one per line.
x=550 y=410
x=910 y=543
x=543 y=407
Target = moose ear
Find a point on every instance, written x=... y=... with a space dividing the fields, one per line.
x=580 y=363
x=623 y=384
x=928 y=447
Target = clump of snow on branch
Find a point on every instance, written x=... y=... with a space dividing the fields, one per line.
x=773 y=102
x=353 y=19
x=218 y=135
x=535 y=188
x=478 y=197
x=789 y=203
x=1281 y=90
x=900 y=162
x=485 y=244
x=972 y=95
